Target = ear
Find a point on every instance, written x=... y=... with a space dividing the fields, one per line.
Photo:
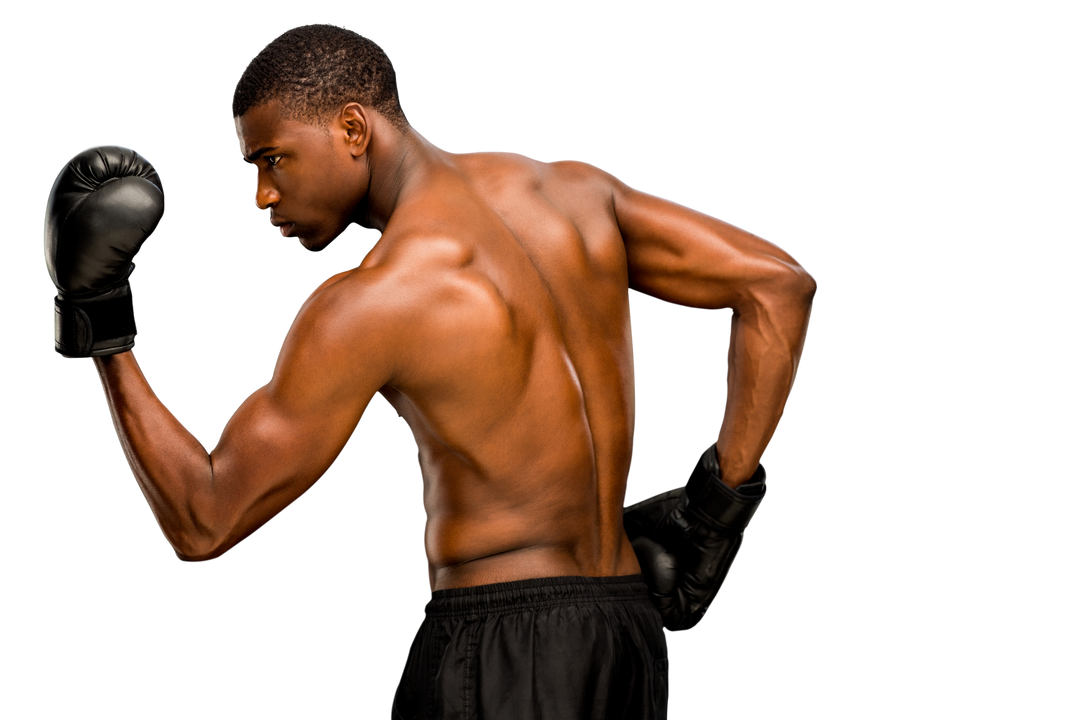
x=354 y=123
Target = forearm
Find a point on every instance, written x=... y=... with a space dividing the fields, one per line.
x=171 y=466
x=767 y=336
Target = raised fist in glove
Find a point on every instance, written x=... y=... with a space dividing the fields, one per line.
x=103 y=205
x=686 y=539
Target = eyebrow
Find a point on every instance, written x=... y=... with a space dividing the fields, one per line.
x=258 y=154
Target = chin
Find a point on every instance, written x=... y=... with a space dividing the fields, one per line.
x=315 y=244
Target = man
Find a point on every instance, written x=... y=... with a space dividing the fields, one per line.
x=493 y=314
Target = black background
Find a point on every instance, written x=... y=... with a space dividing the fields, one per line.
x=740 y=119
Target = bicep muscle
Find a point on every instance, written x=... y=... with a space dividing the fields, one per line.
x=683 y=256
x=286 y=435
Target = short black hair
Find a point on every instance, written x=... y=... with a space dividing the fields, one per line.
x=314 y=70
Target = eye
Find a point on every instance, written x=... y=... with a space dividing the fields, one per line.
x=273 y=160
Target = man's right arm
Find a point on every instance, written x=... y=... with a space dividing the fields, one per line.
x=686 y=540
x=685 y=257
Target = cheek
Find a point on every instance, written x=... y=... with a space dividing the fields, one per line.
x=340 y=189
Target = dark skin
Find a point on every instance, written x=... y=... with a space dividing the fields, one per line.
x=493 y=314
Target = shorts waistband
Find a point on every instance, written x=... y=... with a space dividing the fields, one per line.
x=534 y=593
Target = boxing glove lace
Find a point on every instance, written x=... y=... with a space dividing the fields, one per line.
x=103 y=206
x=686 y=539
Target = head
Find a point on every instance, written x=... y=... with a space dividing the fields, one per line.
x=304 y=110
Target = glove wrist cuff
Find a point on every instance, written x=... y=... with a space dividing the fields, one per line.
x=95 y=325
x=716 y=503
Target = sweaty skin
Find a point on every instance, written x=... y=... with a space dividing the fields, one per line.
x=493 y=314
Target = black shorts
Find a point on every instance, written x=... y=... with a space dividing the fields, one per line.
x=554 y=648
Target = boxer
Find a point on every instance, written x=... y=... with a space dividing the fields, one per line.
x=493 y=315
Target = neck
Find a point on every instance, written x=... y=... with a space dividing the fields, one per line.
x=395 y=159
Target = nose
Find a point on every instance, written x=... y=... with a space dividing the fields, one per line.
x=266 y=195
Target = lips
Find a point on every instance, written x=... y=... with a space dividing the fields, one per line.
x=283 y=226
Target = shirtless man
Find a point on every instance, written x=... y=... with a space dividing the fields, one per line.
x=493 y=314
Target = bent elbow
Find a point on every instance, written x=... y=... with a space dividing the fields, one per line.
x=198 y=556
x=811 y=286
x=197 y=550
x=199 y=542
x=806 y=286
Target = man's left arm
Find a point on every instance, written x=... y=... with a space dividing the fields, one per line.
x=338 y=353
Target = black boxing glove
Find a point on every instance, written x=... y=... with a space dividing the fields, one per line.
x=103 y=206
x=686 y=539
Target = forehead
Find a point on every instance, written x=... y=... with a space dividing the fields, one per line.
x=258 y=127
x=264 y=127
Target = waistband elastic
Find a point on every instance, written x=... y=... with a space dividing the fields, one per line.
x=534 y=593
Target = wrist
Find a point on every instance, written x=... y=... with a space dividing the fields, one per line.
x=735 y=468
x=96 y=324
x=713 y=501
